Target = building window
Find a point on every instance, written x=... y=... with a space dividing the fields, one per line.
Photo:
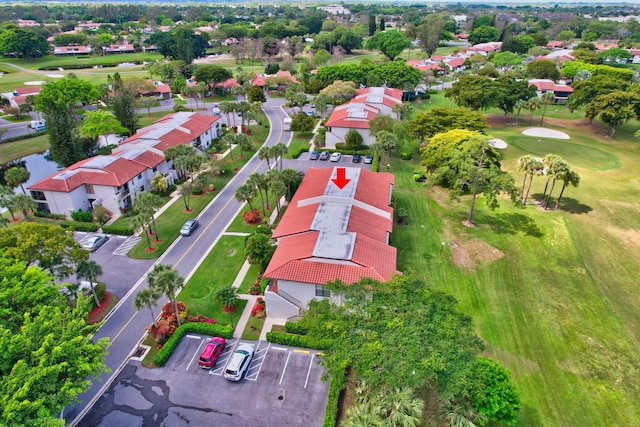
x=155 y=169
x=38 y=195
x=89 y=189
x=139 y=177
x=321 y=291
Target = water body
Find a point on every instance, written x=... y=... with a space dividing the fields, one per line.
x=39 y=166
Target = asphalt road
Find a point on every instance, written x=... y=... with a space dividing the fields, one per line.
x=125 y=326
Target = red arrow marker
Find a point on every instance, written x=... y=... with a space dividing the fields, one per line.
x=341 y=179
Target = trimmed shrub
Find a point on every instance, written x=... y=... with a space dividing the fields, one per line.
x=216 y=330
x=337 y=384
x=295 y=328
x=122 y=230
x=406 y=155
x=80 y=226
x=297 y=340
x=300 y=150
x=21 y=137
x=82 y=216
x=49 y=215
x=375 y=163
x=340 y=145
x=101 y=291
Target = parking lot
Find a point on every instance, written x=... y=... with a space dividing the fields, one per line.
x=282 y=388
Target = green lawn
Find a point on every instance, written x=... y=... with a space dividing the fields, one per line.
x=14 y=150
x=220 y=267
x=299 y=143
x=553 y=294
x=253 y=328
x=52 y=61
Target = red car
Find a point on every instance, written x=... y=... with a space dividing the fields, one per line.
x=211 y=352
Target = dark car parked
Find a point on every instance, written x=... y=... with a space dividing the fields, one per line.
x=357 y=158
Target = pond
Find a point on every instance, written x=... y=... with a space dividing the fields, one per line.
x=39 y=166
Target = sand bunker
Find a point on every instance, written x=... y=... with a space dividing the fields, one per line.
x=545 y=133
x=34 y=83
x=55 y=76
x=498 y=143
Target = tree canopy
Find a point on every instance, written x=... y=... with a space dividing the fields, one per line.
x=23 y=43
x=474 y=92
x=389 y=43
x=442 y=119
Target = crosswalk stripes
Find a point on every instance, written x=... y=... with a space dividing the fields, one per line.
x=124 y=248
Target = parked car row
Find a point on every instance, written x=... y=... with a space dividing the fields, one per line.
x=336 y=157
x=238 y=363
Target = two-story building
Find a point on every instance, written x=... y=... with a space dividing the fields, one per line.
x=328 y=234
x=115 y=180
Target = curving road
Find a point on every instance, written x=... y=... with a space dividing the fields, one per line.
x=125 y=326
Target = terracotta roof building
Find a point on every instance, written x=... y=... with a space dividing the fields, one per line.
x=358 y=113
x=115 y=180
x=561 y=91
x=328 y=234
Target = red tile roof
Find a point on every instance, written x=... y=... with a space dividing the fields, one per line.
x=30 y=90
x=340 y=119
x=549 y=85
x=459 y=62
x=260 y=78
x=229 y=83
x=371 y=257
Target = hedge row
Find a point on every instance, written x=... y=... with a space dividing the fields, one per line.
x=80 y=226
x=295 y=328
x=297 y=340
x=216 y=330
x=300 y=150
x=122 y=230
x=337 y=383
x=375 y=164
x=21 y=137
x=49 y=215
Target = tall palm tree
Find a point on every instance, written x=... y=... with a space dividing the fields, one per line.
x=547 y=99
x=5 y=200
x=535 y=168
x=147 y=298
x=279 y=150
x=532 y=105
x=148 y=204
x=226 y=109
x=163 y=278
x=290 y=177
x=243 y=142
x=246 y=193
x=520 y=104
x=549 y=162
x=140 y=221
x=568 y=177
x=401 y=408
x=16 y=176
x=90 y=270
x=265 y=153
x=277 y=186
x=559 y=170
x=229 y=139
x=260 y=182
x=185 y=192
x=524 y=163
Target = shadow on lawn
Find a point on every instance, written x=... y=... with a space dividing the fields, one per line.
x=514 y=223
x=566 y=204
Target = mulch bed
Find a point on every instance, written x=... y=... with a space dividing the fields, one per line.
x=97 y=312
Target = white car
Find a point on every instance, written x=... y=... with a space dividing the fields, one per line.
x=239 y=362
x=335 y=157
x=93 y=243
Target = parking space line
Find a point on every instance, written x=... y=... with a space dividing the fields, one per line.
x=285 y=367
x=194 y=354
x=223 y=359
x=309 y=371
x=301 y=351
x=126 y=246
x=279 y=348
x=257 y=357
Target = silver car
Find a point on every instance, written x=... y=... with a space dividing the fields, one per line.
x=188 y=227
x=93 y=243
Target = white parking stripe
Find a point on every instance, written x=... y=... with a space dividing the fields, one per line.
x=309 y=371
x=127 y=245
x=285 y=367
x=194 y=354
x=279 y=348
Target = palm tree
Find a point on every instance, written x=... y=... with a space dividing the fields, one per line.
x=227 y=296
x=524 y=163
x=387 y=141
x=90 y=270
x=265 y=153
x=147 y=298
x=257 y=107
x=260 y=182
x=243 y=142
x=401 y=408
x=363 y=416
x=278 y=187
x=138 y=222
x=185 y=192
x=520 y=104
x=570 y=177
x=229 y=139
x=279 y=150
x=165 y=280
x=243 y=107
x=547 y=99
x=245 y=193
x=226 y=108
x=289 y=177
x=148 y=204
x=532 y=105
x=549 y=162
x=558 y=170
x=24 y=203
x=16 y=176
x=535 y=168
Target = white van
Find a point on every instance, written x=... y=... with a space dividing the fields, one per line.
x=287 y=123
x=37 y=125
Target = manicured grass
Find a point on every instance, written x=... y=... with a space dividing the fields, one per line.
x=299 y=143
x=220 y=267
x=552 y=293
x=253 y=328
x=238 y=225
x=52 y=61
x=249 y=278
x=14 y=150
x=146 y=119
x=147 y=361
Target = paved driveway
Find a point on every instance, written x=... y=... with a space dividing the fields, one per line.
x=282 y=388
